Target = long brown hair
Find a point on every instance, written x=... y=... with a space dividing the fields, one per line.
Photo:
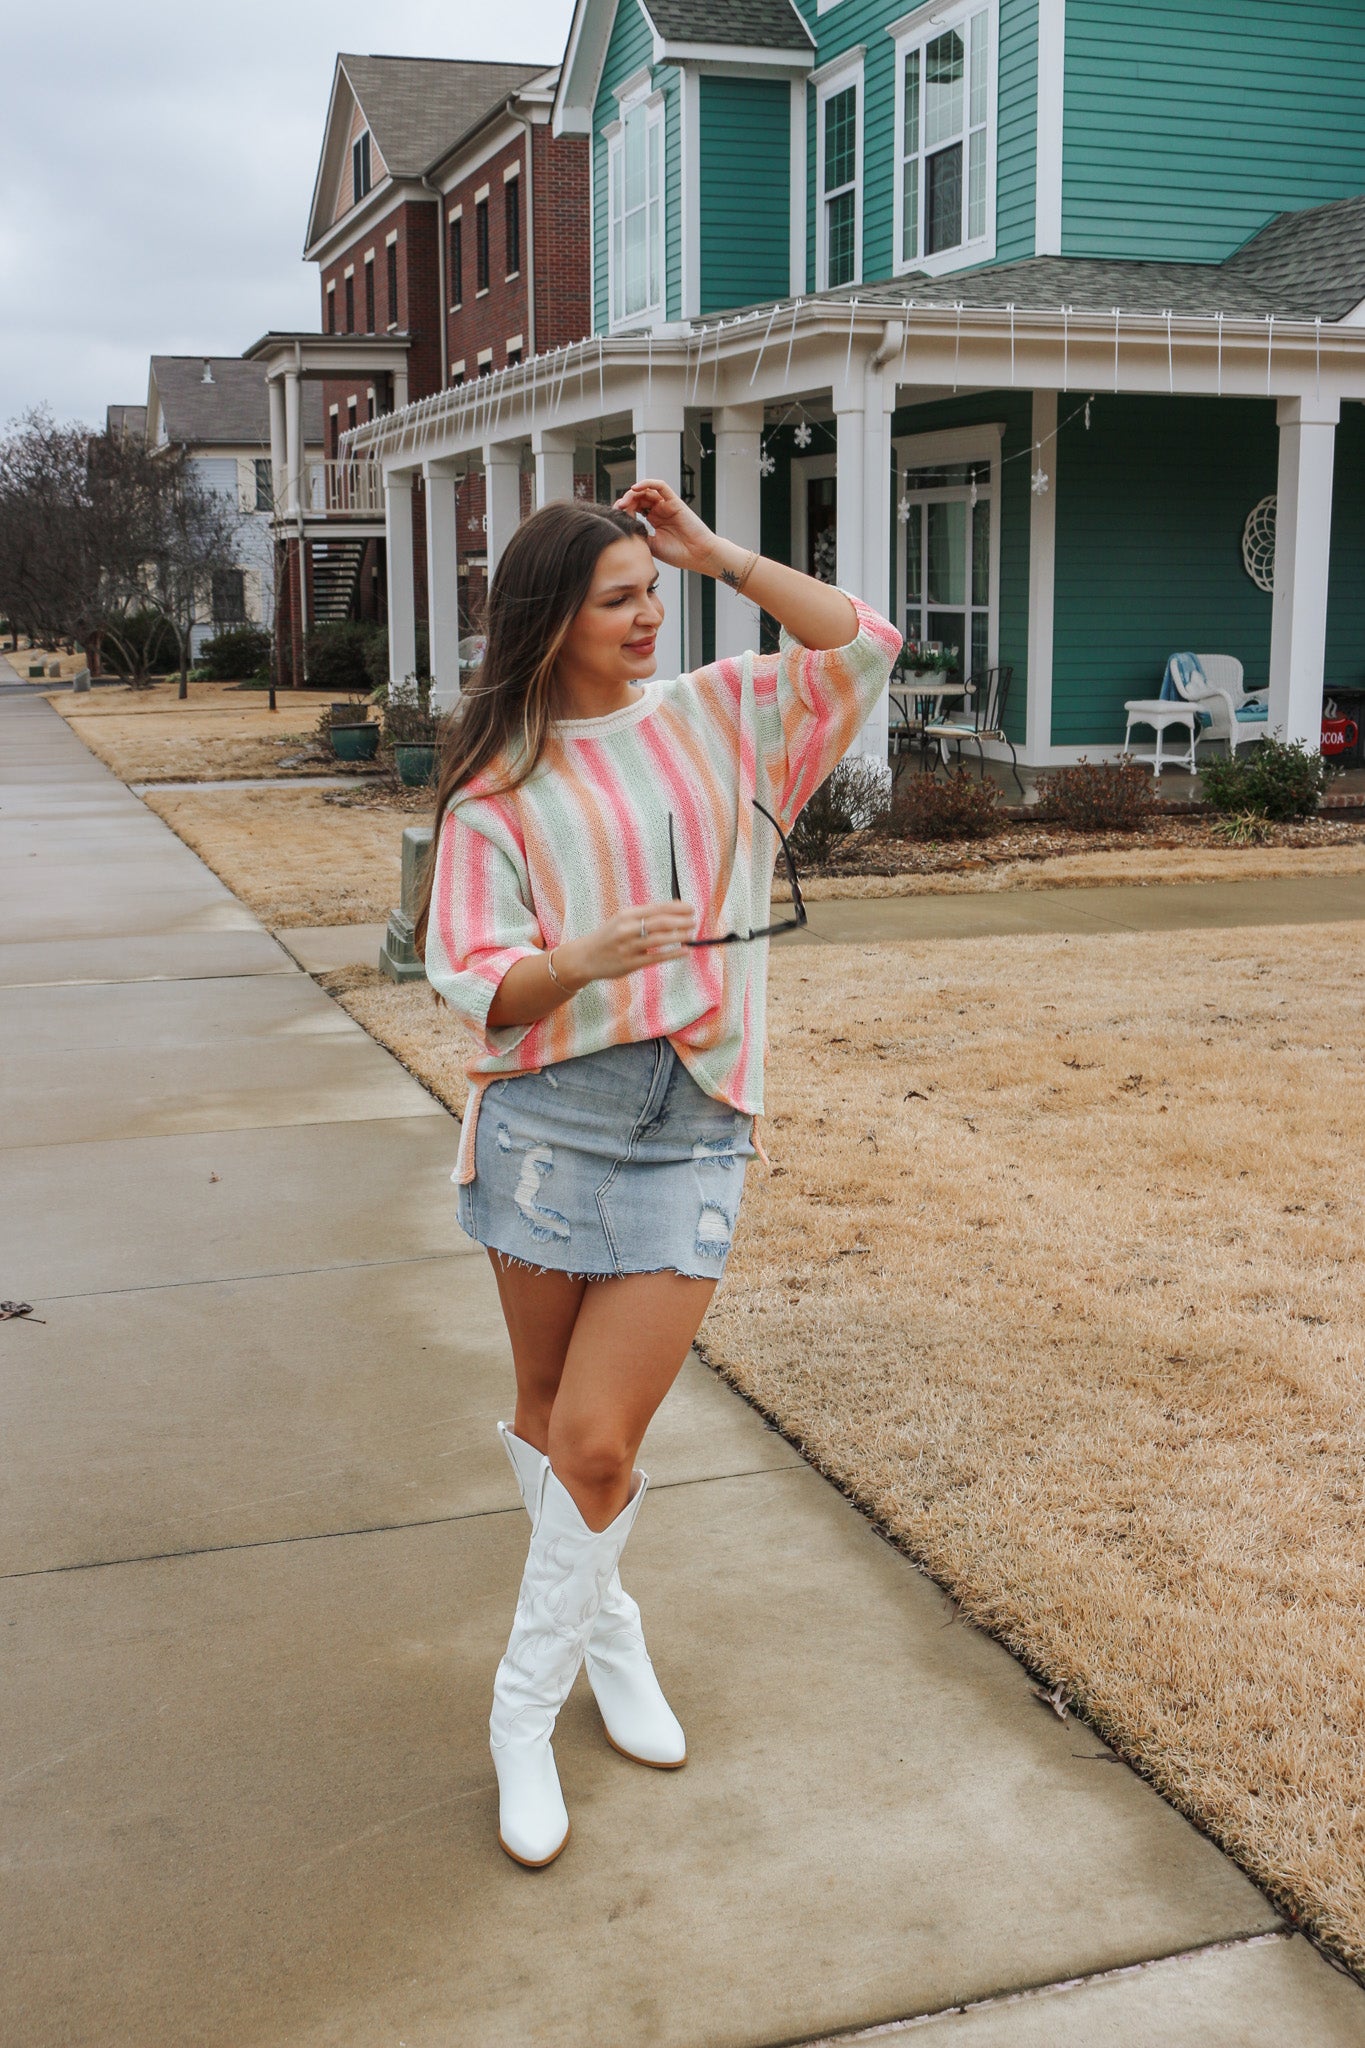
x=506 y=710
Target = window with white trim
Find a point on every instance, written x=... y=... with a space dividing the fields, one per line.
x=945 y=146
x=635 y=174
x=948 y=558
x=839 y=183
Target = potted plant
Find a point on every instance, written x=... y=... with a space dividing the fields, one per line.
x=412 y=730
x=350 y=731
x=921 y=658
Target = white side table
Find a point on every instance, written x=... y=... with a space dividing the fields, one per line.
x=1161 y=713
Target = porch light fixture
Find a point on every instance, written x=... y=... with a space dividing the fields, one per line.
x=687 y=488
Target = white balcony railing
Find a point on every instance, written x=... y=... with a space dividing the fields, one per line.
x=342 y=490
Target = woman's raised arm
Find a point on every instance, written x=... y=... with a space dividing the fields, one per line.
x=814 y=613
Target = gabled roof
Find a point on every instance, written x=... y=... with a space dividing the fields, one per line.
x=126 y=422
x=682 y=27
x=231 y=411
x=414 y=108
x=748 y=24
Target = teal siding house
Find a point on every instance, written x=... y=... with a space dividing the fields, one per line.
x=1010 y=314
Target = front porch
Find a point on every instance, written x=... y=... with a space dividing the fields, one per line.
x=1060 y=493
x=328 y=511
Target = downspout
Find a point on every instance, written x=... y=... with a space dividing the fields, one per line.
x=524 y=121
x=439 y=197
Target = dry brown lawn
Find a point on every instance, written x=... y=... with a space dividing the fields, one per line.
x=293 y=857
x=219 y=733
x=1058 y=1273
x=973 y=873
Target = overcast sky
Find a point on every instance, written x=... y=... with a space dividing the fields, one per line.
x=158 y=160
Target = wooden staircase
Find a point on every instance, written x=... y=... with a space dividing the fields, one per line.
x=336 y=579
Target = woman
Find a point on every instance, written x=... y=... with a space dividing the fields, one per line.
x=604 y=855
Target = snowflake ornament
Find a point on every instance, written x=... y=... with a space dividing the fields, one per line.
x=802 y=436
x=1041 y=480
x=903 y=510
x=767 y=464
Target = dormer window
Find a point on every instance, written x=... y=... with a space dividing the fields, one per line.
x=635 y=156
x=945 y=94
x=360 y=167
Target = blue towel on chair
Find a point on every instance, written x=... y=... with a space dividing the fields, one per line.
x=1253 y=713
x=1182 y=670
x=1190 y=671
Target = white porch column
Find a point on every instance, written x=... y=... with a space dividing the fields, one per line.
x=553 y=451
x=443 y=589
x=1303 y=537
x=502 y=497
x=658 y=453
x=293 y=445
x=400 y=388
x=872 y=579
x=398 y=556
x=278 y=442
x=739 y=431
x=1042 y=567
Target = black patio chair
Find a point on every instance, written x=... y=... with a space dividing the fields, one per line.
x=982 y=717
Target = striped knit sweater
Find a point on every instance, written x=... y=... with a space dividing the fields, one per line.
x=587 y=837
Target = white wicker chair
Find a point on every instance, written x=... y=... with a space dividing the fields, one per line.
x=1221 y=696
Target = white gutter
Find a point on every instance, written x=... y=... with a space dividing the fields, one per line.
x=444 y=317
x=524 y=121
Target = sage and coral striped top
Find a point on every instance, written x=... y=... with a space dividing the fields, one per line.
x=586 y=837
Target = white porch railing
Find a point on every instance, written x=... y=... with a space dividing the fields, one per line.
x=345 y=490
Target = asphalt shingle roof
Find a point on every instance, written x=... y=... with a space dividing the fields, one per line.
x=418 y=106
x=752 y=24
x=1300 y=266
x=232 y=411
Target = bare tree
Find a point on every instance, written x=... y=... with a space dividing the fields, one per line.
x=196 y=535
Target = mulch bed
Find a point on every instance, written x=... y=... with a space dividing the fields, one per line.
x=872 y=853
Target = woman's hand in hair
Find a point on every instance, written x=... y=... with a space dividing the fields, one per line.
x=679 y=538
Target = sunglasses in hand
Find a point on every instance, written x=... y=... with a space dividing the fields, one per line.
x=788 y=924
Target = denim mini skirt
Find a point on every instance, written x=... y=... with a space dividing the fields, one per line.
x=615 y=1162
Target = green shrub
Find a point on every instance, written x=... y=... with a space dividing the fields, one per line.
x=377 y=655
x=852 y=799
x=1276 y=779
x=235 y=654
x=1097 y=796
x=134 y=646
x=335 y=657
x=960 y=806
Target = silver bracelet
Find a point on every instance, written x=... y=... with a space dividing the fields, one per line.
x=550 y=963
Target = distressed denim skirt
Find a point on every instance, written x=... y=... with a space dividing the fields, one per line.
x=615 y=1162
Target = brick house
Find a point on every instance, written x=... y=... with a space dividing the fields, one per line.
x=516 y=268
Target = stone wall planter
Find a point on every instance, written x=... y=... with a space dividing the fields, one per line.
x=355 y=742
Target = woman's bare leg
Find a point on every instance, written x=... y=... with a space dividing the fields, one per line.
x=540 y=1310
x=593 y=1360
x=626 y=1348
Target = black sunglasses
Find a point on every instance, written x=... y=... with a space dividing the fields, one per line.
x=788 y=924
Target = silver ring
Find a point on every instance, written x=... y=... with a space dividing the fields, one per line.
x=643 y=933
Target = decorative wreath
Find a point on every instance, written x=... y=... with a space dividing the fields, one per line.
x=1258 y=544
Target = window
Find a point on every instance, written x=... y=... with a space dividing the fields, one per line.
x=945 y=91
x=391 y=257
x=351 y=410
x=350 y=302
x=485 y=368
x=513 y=357
x=369 y=403
x=229 y=597
x=333 y=433
x=635 y=159
x=369 y=295
x=481 y=246
x=456 y=263
x=360 y=167
x=265 y=484
x=511 y=199
x=331 y=309
x=838 y=145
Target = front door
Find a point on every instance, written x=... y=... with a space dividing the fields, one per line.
x=945 y=515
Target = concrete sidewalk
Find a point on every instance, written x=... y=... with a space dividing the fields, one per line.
x=260 y=1550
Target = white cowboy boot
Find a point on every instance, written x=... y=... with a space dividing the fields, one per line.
x=567 y=1569
x=638 y=1719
